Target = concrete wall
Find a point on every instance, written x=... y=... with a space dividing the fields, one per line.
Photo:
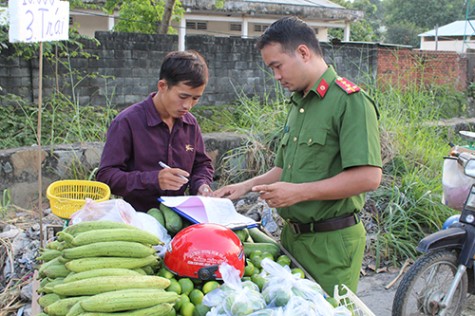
x=124 y=68
x=127 y=66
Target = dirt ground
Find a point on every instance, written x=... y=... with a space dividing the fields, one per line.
x=372 y=291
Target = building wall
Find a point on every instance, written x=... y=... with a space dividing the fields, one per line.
x=88 y=25
x=452 y=46
x=127 y=66
x=402 y=68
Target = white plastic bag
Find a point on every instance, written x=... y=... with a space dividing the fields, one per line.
x=234 y=298
x=118 y=210
x=456 y=185
x=297 y=296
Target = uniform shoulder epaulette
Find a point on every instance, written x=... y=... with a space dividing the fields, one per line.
x=347 y=86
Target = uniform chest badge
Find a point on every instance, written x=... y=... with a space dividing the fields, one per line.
x=189 y=148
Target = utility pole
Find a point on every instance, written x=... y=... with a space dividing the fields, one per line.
x=469 y=18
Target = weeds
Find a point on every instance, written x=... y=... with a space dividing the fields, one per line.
x=5 y=203
x=261 y=122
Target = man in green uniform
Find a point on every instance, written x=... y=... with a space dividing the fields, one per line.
x=328 y=157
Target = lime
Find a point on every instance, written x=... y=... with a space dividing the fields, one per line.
x=187 y=309
x=255 y=253
x=256 y=261
x=174 y=286
x=209 y=286
x=299 y=271
x=164 y=272
x=186 y=285
x=196 y=296
x=267 y=254
x=259 y=280
x=284 y=260
x=182 y=300
x=249 y=269
x=201 y=310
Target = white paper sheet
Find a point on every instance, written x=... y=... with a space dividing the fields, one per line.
x=200 y=209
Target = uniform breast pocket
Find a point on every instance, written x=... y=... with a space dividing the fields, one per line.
x=310 y=149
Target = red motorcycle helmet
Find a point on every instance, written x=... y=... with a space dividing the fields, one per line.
x=197 y=251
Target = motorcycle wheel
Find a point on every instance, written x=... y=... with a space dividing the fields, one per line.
x=424 y=286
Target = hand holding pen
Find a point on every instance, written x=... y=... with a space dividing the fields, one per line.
x=171 y=178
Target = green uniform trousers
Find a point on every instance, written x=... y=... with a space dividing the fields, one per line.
x=331 y=258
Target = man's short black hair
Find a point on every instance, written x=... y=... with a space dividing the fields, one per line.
x=187 y=67
x=290 y=32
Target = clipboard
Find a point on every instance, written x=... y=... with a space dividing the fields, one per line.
x=201 y=209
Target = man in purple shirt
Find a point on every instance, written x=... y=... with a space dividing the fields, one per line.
x=160 y=129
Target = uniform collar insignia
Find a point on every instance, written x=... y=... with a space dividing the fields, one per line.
x=322 y=88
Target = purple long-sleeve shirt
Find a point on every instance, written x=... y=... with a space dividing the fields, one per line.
x=137 y=140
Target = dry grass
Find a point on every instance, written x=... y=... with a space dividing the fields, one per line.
x=10 y=292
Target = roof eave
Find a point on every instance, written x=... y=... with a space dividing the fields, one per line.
x=256 y=9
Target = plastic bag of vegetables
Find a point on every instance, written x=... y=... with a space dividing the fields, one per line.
x=297 y=296
x=234 y=298
x=281 y=285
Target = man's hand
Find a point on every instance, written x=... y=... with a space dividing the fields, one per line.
x=232 y=191
x=279 y=194
x=172 y=178
x=205 y=190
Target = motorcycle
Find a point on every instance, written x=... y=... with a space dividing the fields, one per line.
x=438 y=283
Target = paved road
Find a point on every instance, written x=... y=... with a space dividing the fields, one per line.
x=379 y=300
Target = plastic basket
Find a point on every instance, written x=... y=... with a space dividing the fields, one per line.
x=351 y=301
x=68 y=196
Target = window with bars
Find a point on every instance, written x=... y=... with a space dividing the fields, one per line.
x=260 y=27
x=190 y=25
x=235 y=27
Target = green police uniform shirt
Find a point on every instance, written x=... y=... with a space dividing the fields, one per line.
x=331 y=128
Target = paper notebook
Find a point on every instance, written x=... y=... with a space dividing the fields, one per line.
x=200 y=209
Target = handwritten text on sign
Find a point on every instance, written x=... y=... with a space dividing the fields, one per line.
x=38 y=20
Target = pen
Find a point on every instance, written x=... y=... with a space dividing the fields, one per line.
x=165 y=166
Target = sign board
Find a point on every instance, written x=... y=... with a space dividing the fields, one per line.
x=34 y=21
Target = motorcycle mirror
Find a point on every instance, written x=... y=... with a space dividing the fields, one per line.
x=470 y=168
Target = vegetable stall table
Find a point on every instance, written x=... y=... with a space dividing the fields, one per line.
x=111 y=267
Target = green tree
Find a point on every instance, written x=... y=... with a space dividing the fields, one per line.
x=405 y=19
x=365 y=30
x=404 y=33
x=148 y=17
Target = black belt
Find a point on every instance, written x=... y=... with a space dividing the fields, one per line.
x=327 y=225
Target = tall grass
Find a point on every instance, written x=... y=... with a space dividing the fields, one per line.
x=409 y=199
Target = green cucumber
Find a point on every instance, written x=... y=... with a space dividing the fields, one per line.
x=259 y=236
x=243 y=234
x=157 y=214
x=173 y=221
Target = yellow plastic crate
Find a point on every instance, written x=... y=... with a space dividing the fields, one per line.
x=68 y=196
